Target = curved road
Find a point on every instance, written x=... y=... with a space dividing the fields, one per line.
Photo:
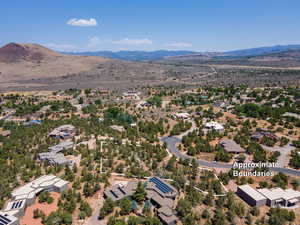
x=172 y=142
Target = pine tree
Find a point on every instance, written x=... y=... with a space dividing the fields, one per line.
x=140 y=193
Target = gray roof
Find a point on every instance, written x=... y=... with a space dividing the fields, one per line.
x=22 y=196
x=160 y=200
x=219 y=104
x=278 y=193
x=54 y=158
x=62 y=130
x=117 y=192
x=252 y=192
x=165 y=200
x=167 y=215
x=231 y=146
x=167 y=211
x=35 y=186
x=61 y=146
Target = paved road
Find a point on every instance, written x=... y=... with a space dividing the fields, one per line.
x=172 y=141
x=284 y=152
x=193 y=127
x=171 y=145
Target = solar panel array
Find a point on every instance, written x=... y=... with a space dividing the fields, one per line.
x=4 y=220
x=123 y=192
x=16 y=205
x=113 y=193
x=161 y=185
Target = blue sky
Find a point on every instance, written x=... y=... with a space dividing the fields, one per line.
x=200 y=25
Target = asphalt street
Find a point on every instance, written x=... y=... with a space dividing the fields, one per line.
x=172 y=142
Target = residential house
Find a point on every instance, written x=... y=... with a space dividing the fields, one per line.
x=63 y=132
x=181 y=116
x=24 y=196
x=231 y=146
x=161 y=195
x=212 y=125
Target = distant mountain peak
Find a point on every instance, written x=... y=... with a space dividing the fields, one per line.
x=261 y=50
x=14 y=52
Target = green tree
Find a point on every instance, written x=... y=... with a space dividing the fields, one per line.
x=140 y=193
x=125 y=205
x=107 y=208
x=184 y=207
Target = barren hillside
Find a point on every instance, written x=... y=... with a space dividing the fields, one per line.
x=29 y=61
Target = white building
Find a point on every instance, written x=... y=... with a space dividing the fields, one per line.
x=9 y=218
x=279 y=197
x=132 y=95
x=118 y=128
x=212 y=125
x=275 y=197
x=251 y=196
x=142 y=104
x=181 y=115
x=44 y=183
x=289 y=114
x=25 y=196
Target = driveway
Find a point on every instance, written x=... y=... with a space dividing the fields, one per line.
x=284 y=152
x=96 y=205
x=194 y=127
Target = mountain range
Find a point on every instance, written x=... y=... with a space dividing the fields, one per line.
x=34 y=67
x=134 y=55
x=262 y=50
x=165 y=54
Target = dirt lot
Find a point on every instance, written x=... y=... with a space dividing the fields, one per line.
x=28 y=219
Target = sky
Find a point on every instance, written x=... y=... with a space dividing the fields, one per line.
x=197 y=25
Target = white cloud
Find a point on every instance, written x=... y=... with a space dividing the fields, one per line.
x=82 y=22
x=179 y=45
x=127 y=41
x=94 y=42
x=61 y=47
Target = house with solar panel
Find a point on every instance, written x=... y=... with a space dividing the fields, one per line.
x=160 y=194
x=26 y=195
x=8 y=219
